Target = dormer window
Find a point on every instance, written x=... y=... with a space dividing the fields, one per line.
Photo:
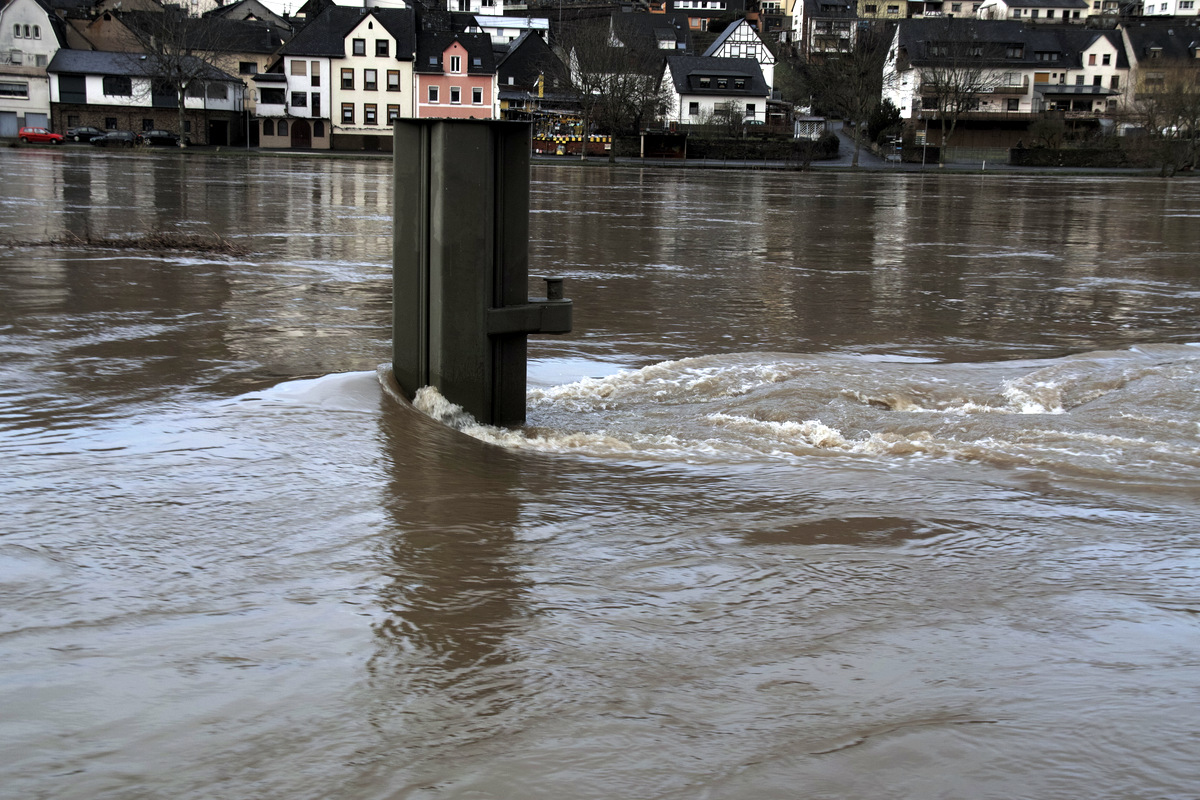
x=433 y=60
x=1156 y=52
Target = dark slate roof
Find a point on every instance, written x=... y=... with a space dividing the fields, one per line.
x=687 y=70
x=326 y=34
x=215 y=34
x=431 y=44
x=1177 y=38
x=644 y=31
x=527 y=57
x=830 y=9
x=916 y=35
x=96 y=62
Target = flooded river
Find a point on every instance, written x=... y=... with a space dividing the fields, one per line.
x=844 y=486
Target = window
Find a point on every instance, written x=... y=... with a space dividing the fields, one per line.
x=316 y=103
x=316 y=73
x=433 y=94
x=110 y=123
x=1045 y=55
x=456 y=64
x=477 y=62
x=37 y=32
x=194 y=89
x=455 y=94
x=1014 y=51
x=247 y=68
x=477 y=96
x=299 y=67
x=300 y=99
x=693 y=109
x=705 y=82
x=283 y=127
x=1096 y=81
x=1092 y=60
x=1049 y=13
x=347 y=113
x=217 y=91
x=893 y=10
x=13 y=89
x=749 y=109
x=370 y=80
x=381 y=48
x=393 y=80
x=393 y=113
x=73 y=121
x=268 y=127
x=347 y=78
x=1116 y=83
x=147 y=124
x=370 y=116
x=1014 y=104
x=1079 y=80
x=118 y=86
x=1156 y=52
x=739 y=83
x=1186 y=5
x=16 y=31
x=1107 y=59
x=956 y=7
x=722 y=83
x=272 y=97
x=360 y=47
x=319 y=129
x=27 y=33
x=870 y=9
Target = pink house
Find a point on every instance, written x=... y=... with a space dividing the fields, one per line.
x=455 y=76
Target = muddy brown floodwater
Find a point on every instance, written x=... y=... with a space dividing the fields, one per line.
x=844 y=486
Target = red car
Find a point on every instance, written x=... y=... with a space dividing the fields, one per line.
x=40 y=135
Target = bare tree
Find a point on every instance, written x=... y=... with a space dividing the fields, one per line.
x=619 y=86
x=851 y=83
x=959 y=65
x=1167 y=106
x=180 y=52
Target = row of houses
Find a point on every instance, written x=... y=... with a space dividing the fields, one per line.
x=1008 y=73
x=337 y=76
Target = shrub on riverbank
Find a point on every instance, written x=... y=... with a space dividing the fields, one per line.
x=154 y=241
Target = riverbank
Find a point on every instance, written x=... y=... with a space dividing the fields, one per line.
x=868 y=161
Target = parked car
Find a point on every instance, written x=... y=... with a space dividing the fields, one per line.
x=160 y=137
x=116 y=139
x=39 y=136
x=83 y=133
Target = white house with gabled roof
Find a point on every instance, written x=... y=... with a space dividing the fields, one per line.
x=30 y=35
x=741 y=40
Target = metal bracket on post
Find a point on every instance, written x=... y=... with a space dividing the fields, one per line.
x=460 y=265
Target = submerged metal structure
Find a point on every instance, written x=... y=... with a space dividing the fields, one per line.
x=460 y=265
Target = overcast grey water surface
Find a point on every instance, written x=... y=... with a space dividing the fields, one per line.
x=844 y=486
